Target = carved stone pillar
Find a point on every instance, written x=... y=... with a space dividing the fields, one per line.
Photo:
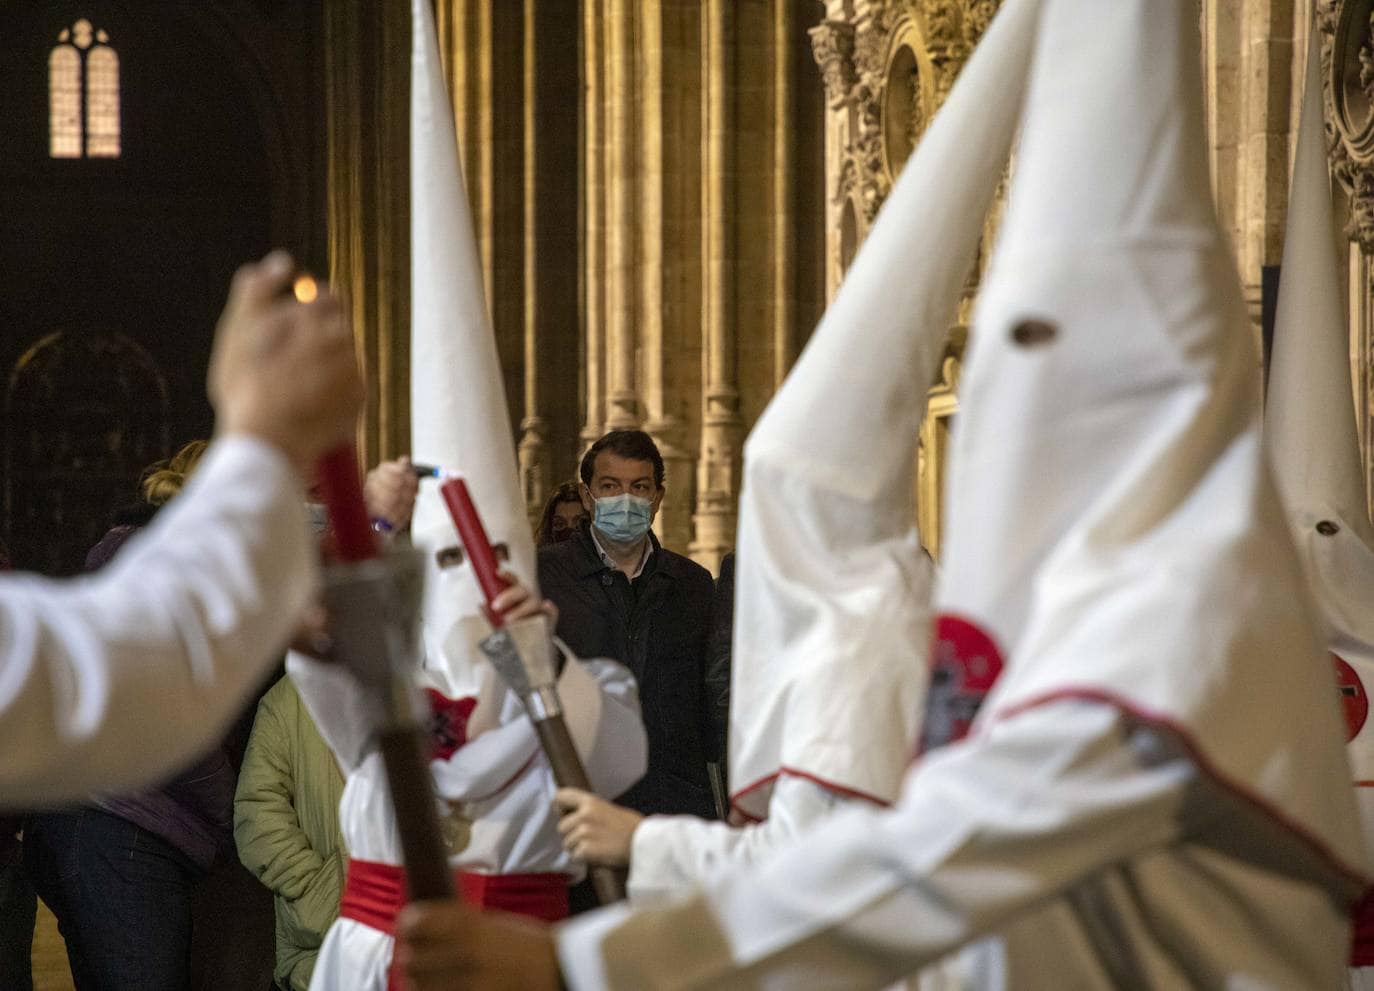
x=593 y=275
x=670 y=231
x=622 y=401
x=367 y=132
x=1268 y=85
x=832 y=42
x=533 y=447
x=721 y=428
x=550 y=96
x=700 y=262
x=786 y=343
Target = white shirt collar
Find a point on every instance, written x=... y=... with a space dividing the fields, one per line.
x=609 y=562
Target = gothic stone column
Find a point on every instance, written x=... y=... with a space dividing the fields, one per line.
x=367 y=131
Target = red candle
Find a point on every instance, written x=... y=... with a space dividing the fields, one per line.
x=475 y=542
x=343 y=494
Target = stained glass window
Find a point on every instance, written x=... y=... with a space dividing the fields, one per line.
x=83 y=94
x=102 y=102
x=64 y=101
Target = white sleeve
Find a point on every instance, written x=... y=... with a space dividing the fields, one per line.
x=601 y=708
x=986 y=831
x=111 y=680
x=670 y=855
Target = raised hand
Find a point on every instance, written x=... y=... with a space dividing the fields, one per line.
x=281 y=370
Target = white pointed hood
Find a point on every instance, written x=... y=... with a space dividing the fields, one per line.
x=1114 y=533
x=1310 y=431
x=458 y=404
x=832 y=594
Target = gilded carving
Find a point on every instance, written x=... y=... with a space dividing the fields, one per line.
x=1347 y=62
x=980 y=13
x=873 y=179
x=1347 y=37
x=888 y=66
x=860 y=56
x=871 y=46
x=943 y=22
x=832 y=43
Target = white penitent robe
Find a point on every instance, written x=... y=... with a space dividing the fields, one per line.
x=110 y=681
x=498 y=790
x=1123 y=864
x=671 y=855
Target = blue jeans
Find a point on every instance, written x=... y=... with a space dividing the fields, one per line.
x=121 y=895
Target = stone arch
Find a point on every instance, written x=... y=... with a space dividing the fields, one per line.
x=84 y=413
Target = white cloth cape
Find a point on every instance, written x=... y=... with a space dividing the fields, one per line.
x=832 y=587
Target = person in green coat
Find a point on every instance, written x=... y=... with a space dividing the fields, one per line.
x=286 y=828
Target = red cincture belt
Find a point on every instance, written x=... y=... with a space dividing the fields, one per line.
x=373 y=894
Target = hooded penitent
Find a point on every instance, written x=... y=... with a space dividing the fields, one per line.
x=1113 y=531
x=832 y=607
x=459 y=416
x=1310 y=432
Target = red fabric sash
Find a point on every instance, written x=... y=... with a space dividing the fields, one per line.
x=374 y=893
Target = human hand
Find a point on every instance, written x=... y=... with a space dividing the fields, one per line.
x=595 y=830
x=390 y=491
x=441 y=945
x=515 y=602
x=284 y=371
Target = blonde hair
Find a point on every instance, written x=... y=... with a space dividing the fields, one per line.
x=164 y=479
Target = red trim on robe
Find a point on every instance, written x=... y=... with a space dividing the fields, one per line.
x=793 y=772
x=1196 y=755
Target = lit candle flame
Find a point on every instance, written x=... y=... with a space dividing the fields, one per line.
x=305 y=289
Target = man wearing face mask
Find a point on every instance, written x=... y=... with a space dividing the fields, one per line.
x=621 y=594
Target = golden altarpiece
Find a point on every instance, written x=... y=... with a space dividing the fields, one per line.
x=887 y=65
x=1347 y=37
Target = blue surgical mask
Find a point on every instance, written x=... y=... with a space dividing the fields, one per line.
x=623 y=518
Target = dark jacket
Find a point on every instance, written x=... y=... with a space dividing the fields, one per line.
x=659 y=628
x=194 y=811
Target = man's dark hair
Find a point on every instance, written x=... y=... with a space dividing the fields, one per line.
x=634 y=445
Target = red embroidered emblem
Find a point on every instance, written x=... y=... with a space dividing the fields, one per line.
x=964 y=665
x=1354 y=700
x=448 y=723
